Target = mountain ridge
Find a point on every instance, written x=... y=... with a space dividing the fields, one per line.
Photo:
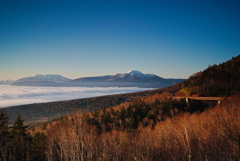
x=6 y=81
x=132 y=78
x=45 y=77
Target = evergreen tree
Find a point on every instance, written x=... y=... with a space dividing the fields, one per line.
x=38 y=147
x=4 y=136
x=20 y=141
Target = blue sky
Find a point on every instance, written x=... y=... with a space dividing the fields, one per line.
x=73 y=38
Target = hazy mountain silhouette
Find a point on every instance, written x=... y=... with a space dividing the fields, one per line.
x=132 y=78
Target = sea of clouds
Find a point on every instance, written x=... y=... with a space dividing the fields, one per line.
x=18 y=95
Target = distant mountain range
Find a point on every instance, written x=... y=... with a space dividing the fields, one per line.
x=48 y=77
x=132 y=78
x=6 y=81
x=42 y=80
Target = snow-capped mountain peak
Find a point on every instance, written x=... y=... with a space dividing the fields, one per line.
x=133 y=78
x=135 y=72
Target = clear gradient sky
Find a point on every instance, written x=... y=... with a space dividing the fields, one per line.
x=78 y=38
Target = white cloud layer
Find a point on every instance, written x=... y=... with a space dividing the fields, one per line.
x=18 y=95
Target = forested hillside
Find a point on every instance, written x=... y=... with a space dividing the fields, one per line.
x=139 y=114
x=212 y=134
x=217 y=80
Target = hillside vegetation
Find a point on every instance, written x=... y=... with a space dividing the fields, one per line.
x=217 y=80
x=213 y=134
x=142 y=113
